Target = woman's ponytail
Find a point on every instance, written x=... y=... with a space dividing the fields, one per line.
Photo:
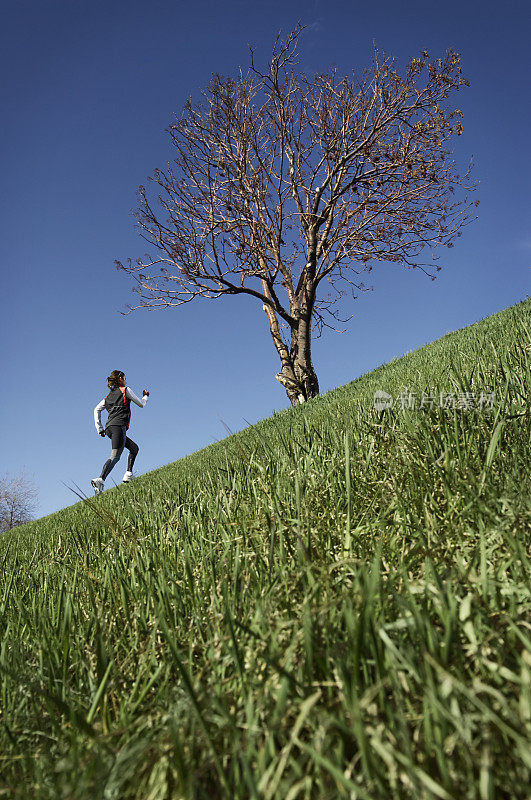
x=113 y=381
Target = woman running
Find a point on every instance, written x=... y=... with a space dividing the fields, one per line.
x=117 y=403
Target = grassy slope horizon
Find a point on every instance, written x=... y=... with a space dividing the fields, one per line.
x=343 y=387
x=332 y=603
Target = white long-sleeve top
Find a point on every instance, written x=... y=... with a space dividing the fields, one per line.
x=101 y=407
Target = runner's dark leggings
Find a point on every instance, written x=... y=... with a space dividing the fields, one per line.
x=119 y=439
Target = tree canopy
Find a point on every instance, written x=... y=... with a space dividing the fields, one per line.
x=288 y=188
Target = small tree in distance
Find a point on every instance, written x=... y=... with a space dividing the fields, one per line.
x=18 y=500
x=287 y=188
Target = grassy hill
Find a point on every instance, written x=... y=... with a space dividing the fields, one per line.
x=333 y=603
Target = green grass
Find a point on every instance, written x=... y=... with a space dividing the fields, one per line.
x=333 y=603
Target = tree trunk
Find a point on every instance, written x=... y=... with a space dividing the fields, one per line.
x=304 y=369
x=297 y=374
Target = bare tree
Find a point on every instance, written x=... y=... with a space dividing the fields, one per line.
x=287 y=188
x=18 y=501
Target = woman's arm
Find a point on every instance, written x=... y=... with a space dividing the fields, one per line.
x=97 y=415
x=132 y=396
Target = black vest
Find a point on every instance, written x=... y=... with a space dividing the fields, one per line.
x=118 y=406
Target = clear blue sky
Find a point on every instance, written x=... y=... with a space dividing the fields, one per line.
x=88 y=90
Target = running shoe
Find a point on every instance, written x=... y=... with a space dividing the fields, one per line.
x=98 y=484
x=128 y=477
